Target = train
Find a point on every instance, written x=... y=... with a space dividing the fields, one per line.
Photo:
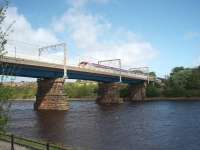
x=100 y=67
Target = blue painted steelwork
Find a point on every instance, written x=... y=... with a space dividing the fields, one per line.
x=43 y=72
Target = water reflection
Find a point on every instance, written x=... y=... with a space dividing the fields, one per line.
x=51 y=125
x=150 y=125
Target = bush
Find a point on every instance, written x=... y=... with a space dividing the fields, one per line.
x=81 y=90
x=174 y=92
x=124 y=92
x=153 y=91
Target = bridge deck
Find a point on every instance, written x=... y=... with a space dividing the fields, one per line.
x=38 y=69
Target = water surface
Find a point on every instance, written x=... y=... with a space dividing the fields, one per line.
x=166 y=125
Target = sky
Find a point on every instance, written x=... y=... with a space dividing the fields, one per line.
x=160 y=34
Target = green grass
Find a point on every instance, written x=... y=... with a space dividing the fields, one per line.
x=32 y=144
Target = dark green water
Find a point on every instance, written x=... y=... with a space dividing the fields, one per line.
x=166 y=125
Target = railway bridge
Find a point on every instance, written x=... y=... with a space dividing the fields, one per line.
x=51 y=77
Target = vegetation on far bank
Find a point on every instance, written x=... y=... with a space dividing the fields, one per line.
x=25 y=91
x=182 y=82
x=80 y=89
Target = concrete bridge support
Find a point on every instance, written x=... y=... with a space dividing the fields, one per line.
x=50 y=95
x=137 y=92
x=108 y=93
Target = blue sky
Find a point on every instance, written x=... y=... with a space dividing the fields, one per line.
x=165 y=33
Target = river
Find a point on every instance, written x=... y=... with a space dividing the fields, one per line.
x=166 y=125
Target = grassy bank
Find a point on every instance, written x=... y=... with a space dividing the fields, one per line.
x=30 y=143
x=25 y=91
x=77 y=90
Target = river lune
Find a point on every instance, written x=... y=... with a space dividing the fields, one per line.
x=166 y=125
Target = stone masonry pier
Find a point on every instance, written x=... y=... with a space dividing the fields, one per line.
x=137 y=92
x=50 y=95
x=108 y=93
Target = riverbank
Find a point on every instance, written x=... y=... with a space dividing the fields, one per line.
x=10 y=141
x=170 y=98
x=7 y=146
x=69 y=99
x=146 y=99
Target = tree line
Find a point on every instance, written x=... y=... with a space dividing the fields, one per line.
x=182 y=82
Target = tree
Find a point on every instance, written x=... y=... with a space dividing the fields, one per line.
x=183 y=82
x=177 y=69
x=153 y=90
x=3 y=34
x=194 y=79
x=152 y=74
x=3 y=91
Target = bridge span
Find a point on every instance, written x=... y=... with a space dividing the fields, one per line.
x=50 y=93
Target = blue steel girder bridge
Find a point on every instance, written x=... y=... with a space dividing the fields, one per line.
x=37 y=69
x=50 y=93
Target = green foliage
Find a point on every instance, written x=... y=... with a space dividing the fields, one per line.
x=3 y=92
x=3 y=34
x=152 y=74
x=176 y=69
x=174 y=92
x=81 y=90
x=180 y=79
x=124 y=92
x=194 y=80
x=153 y=90
x=31 y=143
x=20 y=92
x=183 y=82
x=4 y=105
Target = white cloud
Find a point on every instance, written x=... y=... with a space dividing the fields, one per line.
x=94 y=37
x=24 y=38
x=101 y=40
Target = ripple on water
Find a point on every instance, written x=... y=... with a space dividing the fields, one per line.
x=162 y=125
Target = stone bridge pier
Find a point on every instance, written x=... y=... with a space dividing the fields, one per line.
x=50 y=95
x=108 y=93
x=137 y=92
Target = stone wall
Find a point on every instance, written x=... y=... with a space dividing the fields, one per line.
x=137 y=92
x=50 y=95
x=108 y=93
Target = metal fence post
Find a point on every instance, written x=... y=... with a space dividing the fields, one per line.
x=12 y=142
x=47 y=146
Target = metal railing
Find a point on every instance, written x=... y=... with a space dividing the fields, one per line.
x=32 y=144
x=144 y=76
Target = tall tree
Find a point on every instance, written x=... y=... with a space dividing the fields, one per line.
x=176 y=69
x=3 y=34
x=3 y=92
